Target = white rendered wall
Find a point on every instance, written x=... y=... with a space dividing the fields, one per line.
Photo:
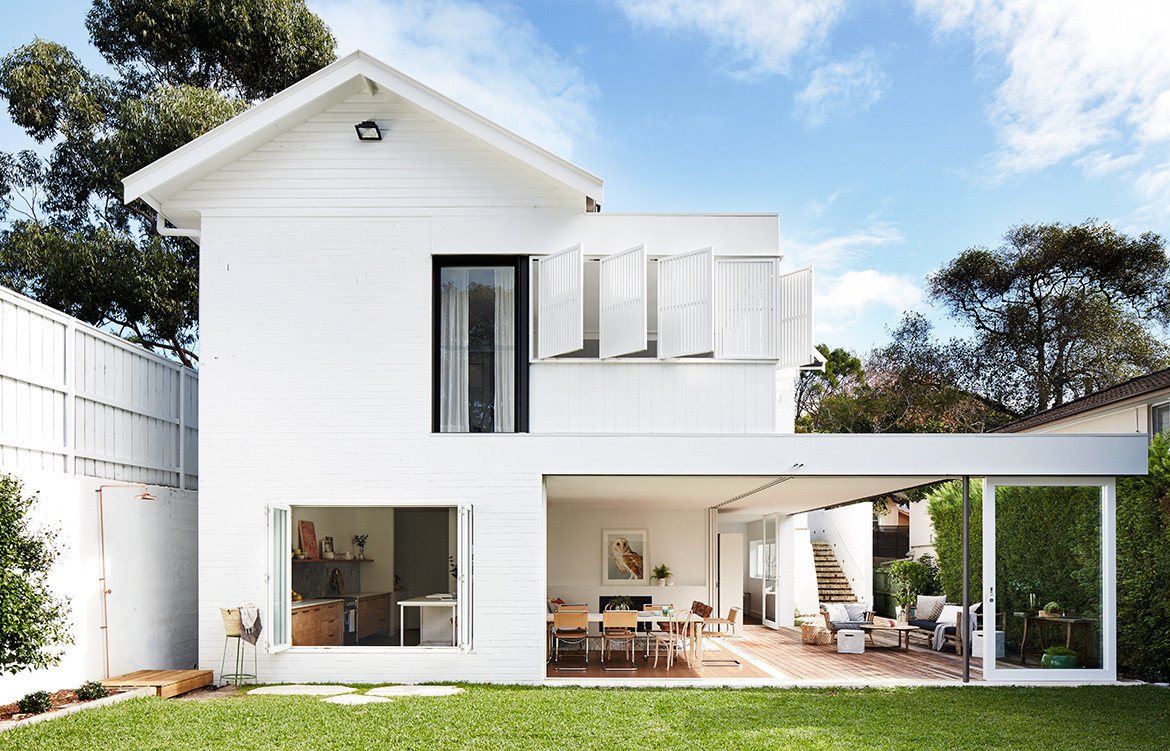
x=921 y=530
x=849 y=530
x=150 y=569
x=676 y=537
x=806 y=593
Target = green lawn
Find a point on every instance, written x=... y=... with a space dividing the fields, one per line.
x=571 y=718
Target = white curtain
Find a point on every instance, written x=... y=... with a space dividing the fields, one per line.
x=453 y=340
x=505 y=355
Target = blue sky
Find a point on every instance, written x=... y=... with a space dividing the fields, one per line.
x=888 y=134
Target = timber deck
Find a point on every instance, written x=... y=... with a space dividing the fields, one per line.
x=777 y=657
x=166 y=683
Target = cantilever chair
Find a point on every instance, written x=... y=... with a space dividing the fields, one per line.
x=619 y=627
x=571 y=627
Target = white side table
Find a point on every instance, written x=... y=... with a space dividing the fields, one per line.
x=851 y=642
x=977 y=644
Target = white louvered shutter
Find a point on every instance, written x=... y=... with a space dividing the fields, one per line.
x=561 y=314
x=623 y=303
x=796 y=317
x=686 y=323
x=746 y=314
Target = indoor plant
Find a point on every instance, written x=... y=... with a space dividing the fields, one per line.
x=661 y=572
x=360 y=541
x=1059 y=657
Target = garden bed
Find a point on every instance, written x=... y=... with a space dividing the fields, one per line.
x=65 y=702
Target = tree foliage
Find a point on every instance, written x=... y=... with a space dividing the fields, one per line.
x=33 y=623
x=1059 y=310
x=184 y=67
x=912 y=385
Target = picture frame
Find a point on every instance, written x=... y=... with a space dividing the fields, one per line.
x=625 y=557
x=308 y=539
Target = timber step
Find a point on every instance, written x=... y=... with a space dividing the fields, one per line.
x=166 y=683
x=832 y=584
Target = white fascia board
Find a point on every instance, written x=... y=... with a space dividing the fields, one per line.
x=313 y=94
x=807 y=455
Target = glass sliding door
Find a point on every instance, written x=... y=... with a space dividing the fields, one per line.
x=771 y=594
x=1048 y=576
x=477 y=333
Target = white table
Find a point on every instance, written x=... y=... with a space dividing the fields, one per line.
x=433 y=620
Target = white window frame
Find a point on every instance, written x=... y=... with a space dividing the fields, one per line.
x=1150 y=427
x=992 y=673
x=464 y=638
x=278 y=578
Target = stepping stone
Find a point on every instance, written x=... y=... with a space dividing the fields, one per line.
x=415 y=691
x=297 y=690
x=355 y=699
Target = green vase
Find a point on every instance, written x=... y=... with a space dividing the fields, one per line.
x=1058 y=661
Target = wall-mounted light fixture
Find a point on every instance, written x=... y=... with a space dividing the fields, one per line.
x=368 y=131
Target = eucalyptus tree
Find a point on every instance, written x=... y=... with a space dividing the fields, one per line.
x=181 y=67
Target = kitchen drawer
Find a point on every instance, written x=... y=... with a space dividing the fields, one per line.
x=317 y=625
x=373 y=615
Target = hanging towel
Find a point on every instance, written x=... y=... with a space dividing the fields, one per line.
x=250 y=626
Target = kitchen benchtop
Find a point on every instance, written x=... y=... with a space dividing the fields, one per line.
x=365 y=594
x=307 y=603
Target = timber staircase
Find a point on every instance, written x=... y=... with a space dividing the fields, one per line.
x=832 y=585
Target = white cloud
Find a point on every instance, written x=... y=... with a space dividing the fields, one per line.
x=758 y=36
x=1081 y=77
x=836 y=251
x=488 y=58
x=839 y=89
x=855 y=293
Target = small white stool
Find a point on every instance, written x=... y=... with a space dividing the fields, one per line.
x=978 y=643
x=851 y=642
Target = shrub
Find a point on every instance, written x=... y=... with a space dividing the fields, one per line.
x=92 y=690
x=36 y=702
x=32 y=621
x=918 y=577
x=1060 y=652
x=945 y=506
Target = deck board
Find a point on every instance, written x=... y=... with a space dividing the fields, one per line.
x=166 y=683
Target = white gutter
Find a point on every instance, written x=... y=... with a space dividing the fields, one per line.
x=160 y=224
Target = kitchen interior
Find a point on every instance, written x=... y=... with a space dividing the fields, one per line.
x=348 y=595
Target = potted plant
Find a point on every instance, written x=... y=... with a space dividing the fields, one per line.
x=905 y=598
x=1059 y=657
x=661 y=572
x=360 y=541
x=1051 y=610
x=621 y=602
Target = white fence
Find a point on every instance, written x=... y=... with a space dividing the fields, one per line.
x=78 y=400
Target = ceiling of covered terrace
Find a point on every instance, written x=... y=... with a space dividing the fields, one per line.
x=749 y=496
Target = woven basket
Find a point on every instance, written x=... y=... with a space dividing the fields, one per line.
x=231 y=621
x=811 y=633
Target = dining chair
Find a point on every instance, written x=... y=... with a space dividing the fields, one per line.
x=619 y=627
x=649 y=628
x=571 y=627
x=673 y=637
x=714 y=627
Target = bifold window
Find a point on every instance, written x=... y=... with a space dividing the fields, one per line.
x=369 y=576
x=480 y=338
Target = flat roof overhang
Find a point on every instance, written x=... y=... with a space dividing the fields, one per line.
x=760 y=474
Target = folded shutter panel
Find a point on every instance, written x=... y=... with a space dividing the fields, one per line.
x=685 y=310
x=623 y=303
x=746 y=292
x=560 y=316
x=796 y=317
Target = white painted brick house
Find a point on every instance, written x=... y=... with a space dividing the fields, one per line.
x=444 y=319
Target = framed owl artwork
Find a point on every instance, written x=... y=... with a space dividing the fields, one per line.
x=624 y=557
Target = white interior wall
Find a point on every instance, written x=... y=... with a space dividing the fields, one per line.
x=806 y=594
x=753 y=587
x=849 y=530
x=676 y=537
x=151 y=570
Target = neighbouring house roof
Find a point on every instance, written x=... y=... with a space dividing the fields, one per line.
x=1131 y=389
x=314 y=94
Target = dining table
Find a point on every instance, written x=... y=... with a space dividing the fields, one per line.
x=694 y=632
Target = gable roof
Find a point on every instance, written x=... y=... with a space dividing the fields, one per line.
x=1150 y=383
x=351 y=74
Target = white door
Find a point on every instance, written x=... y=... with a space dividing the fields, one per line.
x=730 y=589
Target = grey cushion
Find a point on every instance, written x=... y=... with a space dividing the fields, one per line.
x=855 y=625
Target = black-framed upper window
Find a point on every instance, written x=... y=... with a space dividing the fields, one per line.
x=480 y=331
x=1159 y=419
